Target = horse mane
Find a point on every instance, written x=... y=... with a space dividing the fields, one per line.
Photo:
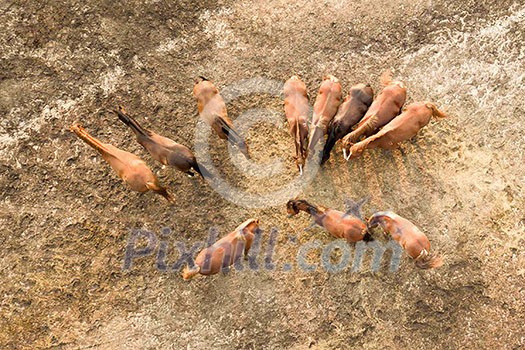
x=435 y=111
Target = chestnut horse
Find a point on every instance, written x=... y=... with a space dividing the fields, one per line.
x=403 y=127
x=339 y=224
x=296 y=108
x=162 y=149
x=325 y=107
x=130 y=168
x=225 y=252
x=413 y=241
x=212 y=110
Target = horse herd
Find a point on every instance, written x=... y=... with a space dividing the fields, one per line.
x=359 y=121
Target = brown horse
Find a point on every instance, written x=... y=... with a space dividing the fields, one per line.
x=349 y=113
x=212 y=110
x=403 y=127
x=340 y=225
x=130 y=168
x=325 y=107
x=413 y=241
x=385 y=107
x=163 y=149
x=225 y=252
x=296 y=108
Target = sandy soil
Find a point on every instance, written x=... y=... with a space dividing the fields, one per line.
x=65 y=217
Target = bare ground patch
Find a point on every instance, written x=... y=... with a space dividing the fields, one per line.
x=65 y=217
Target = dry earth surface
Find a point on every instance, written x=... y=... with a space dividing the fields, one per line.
x=65 y=217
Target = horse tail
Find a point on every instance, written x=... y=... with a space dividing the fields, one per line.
x=233 y=137
x=90 y=140
x=203 y=172
x=330 y=141
x=435 y=111
x=131 y=122
x=298 y=140
x=315 y=136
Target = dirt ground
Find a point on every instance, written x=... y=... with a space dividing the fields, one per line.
x=65 y=217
